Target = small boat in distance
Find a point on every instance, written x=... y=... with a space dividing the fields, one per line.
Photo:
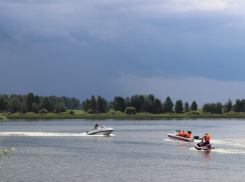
x=177 y=137
x=100 y=130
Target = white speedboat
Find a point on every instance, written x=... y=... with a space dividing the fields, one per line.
x=100 y=130
x=177 y=137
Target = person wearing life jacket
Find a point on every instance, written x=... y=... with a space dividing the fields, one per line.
x=183 y=134
x=188 y=134
x=206 y=138
x=180 y=133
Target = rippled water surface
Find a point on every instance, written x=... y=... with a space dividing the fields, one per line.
x=138 y=150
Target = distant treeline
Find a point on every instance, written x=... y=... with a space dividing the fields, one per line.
x=141 y=103
x=218 y=108
x=151 y=104
x=93 y=105
x=34 y=103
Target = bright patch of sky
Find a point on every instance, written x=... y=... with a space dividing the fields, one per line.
x=80 y=48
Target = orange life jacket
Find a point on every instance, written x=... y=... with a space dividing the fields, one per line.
x=207 y=138
x=180 y=133
x=183 y=133
x=188 y=135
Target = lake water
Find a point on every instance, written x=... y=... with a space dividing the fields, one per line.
x=138 y=150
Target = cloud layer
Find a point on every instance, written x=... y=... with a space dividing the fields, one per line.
x=79 y=48
x=202 y=90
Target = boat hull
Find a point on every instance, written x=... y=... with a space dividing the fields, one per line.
x=101 y=131
x=203 y=148
x=104 y=132
x=180 y=138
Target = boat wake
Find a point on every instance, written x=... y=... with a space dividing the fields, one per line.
x=233 y=142
x=45 y=134
x=222 y=150
x=237 y=146
x=171 y=140
x=234 y=151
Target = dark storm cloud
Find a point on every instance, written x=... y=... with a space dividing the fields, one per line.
x=79 y=48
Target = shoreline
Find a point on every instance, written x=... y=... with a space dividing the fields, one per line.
x=121 y=116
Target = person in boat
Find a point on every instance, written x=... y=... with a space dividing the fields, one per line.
x=206 y=138
x=180 y=133
x=188 y=135
x=183 y=134
x=96 y=126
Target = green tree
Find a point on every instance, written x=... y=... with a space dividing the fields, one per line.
x=127 y=102
x=12 y=96
x=29 y=101
x=186 y=107
x=219 y=108
x=14 y=105
x=157 y=106
x=23 y=107
x=137 y=101
x=74 y=103
x=101 y=105
x=206 y=108
x=21 y=98
x=55 y=99
x=35 y=108
x=179 y=106
x=130 y=110
x=243 y=105
x=3 y=103
x=194 y=106
x=237 y=106
x=228 y=106
x=66 y=101
x=6 y=97
x=49 y=106
x=36 y=100
x=149 y=103
x=106 y=105
x=213 y=108
x=168 y=105
x=93 y=104
x=43 y=111
x=119 y=104
x=60 y=107
x=85 y=105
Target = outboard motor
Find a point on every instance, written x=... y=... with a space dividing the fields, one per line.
x=196 y=137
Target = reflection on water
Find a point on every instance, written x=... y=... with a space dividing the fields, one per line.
x=184 y=144
x=207 y=155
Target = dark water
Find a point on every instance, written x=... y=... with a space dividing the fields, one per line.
x=138 y=150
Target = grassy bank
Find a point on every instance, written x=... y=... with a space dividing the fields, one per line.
x=78 y=114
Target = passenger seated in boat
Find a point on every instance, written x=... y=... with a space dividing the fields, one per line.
x=180 y=133
x=183 y=134
x=176 y=133
x=188 y=134
x=96 y=126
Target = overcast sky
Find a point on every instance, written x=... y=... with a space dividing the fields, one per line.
x=185 y=49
